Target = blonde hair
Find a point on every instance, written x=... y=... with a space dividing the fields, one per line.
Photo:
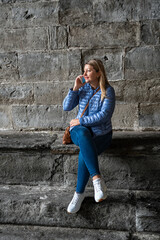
x=103 y=81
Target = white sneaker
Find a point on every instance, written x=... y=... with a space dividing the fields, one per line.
x=100 y=190
x=75 y=203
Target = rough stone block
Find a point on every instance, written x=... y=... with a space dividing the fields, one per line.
x=106 y=35
x=37 y=117
x=24 y=39
x=112 y=59
x=56 y=66
x=47 y=206
x=119 y=88
x=148 y=212
x=123 y=11
x=8 y=67
x=31 y=167
x=75 y=12
x=142 y=63
x=139 y=90
x=35 y=14
x=27 y=140
x=21 y=93
x=5 y=117
x=51 y=93
x=58 y=37
x=125 y=116
x=146 y=236
x=149 y=116
x=5 y=15
x=150 y=32
x=44 y=233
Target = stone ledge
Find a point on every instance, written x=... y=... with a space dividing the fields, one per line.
x=58 y=233
x=26 y=232
x=122 y=141
x=133 y=211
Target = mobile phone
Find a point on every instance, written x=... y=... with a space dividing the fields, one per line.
x=83 y=80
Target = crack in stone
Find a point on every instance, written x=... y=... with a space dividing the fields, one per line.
x=56 y=167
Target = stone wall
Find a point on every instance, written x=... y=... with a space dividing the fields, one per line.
x=44 y=44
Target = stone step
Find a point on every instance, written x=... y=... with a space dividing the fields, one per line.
x=34 y=158
x=126 y=211
x=17 y=232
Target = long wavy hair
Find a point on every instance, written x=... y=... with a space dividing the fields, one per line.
x=103 y=81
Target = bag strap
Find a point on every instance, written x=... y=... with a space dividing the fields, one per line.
x=88 y=102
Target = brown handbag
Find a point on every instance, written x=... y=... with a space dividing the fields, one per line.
x=67 y=137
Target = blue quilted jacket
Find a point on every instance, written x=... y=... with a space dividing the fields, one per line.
x=98 y=114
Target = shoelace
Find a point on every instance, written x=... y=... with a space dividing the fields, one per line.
x=97 y=187
x=75 y=199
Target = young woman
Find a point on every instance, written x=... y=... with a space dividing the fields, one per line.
x=92 y=132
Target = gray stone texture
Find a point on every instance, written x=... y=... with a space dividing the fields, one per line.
x=44 y=45
x=122 y=11
x=108 y=34
x=5 y=117
x=43 y=159
x=55 y=66
x=8 y=232
x=8 y=67
x=47 y=206
x=142 y=63
x=13 y=94
x=35 y=14
x=41 y=117
x=38 y=176
x=150 y=32
x=24 y=39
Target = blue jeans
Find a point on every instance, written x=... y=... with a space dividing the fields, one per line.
x=90 y=148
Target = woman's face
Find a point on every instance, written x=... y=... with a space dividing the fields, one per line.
x=90 y=74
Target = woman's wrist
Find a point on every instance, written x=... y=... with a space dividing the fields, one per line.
x=75 y=89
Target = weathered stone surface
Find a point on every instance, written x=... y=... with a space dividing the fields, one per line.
x=142 y=63
x=75 y=12
x=150 y=32
x=111 y=58
x=5 y=15
x=146 y=236
x=122 y=165
x=35 y=14
x=39 y=117
x=47 y=206
x=31 y=167
x=125 y=116
x=139 y=90
x=51 y=93
x=149 y=115
x=27 y=140
x=58 y=37
x=57 y=66
x=5 y=117
x=16 y=94
x=106 y=35
x=123 y=11
x=8 y=67
x=121 y=171
x=24 y=39
x=9 y=232
x=148 y=212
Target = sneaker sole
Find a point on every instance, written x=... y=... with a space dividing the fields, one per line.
x=100 y=200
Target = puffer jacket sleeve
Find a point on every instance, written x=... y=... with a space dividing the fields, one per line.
x=71 y=100
x=105 y=113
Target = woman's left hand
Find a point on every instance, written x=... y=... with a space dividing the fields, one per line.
x=74 y=122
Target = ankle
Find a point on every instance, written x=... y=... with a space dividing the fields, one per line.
x=96 y=177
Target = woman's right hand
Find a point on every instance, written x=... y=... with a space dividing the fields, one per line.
x=78 y=83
